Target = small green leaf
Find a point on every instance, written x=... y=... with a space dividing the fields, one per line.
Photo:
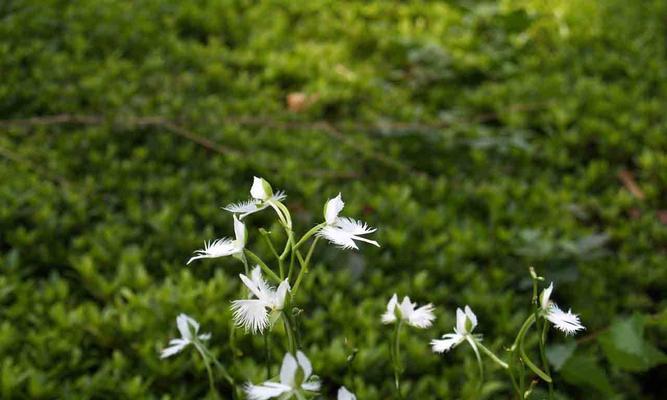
x=583 y=370
x=625 y=346
x=558 y=354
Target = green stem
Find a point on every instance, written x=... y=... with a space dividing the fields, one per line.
x=304 y=265
x=221 y=367
x=262 y=265
x=209 y=372
x=396 y=350
x=267 y=356
x=522 y=333
x=266 y=235
x=291 y=346
x=543 y=356
x=480 y=365
x=283 y=219
x=308 y=234
x=489 y=353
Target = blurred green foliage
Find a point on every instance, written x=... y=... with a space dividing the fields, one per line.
x=479 y=138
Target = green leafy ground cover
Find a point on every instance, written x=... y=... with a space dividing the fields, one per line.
x=479 y=138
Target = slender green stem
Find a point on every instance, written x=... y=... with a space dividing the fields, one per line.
x=209 y=372
x=286 y=213
x=515 y=385
x=489 y=353
x=266 y=236
x=282 y=217
x=246 y=267
x=221 y=367
x=267 y=355
x=304 y=265
x=308 y=234
x=288 y=243
x=397 y=356
x=522 y=333
x=543 y=356
x=480 y=365
x=263 y=265
x=291 y=345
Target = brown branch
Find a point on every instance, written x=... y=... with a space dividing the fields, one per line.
x=139 y=122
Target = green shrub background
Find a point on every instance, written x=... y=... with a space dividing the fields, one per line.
x=479 y=138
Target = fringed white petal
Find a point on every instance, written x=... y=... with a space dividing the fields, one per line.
x=422 y=317
x=564 y=321
x=338 y=237
x=244 y=207
x=175 y=346
x=265 y=391
x=218 y=248
x=279 y=196
x=353 y=226
x=448 y=342
x=251 y=315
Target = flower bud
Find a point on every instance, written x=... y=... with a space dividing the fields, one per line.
x=261 y=189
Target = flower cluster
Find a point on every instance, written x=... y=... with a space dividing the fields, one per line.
x=268 y=292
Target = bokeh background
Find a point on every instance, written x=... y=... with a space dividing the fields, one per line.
x=478 y=137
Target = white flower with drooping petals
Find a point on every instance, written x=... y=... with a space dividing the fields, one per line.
x=262 y=196
x=188 y=328
x=253 y=313
x=289 y=385
x=344 y=394
x=343 y=231
x=466 y=321
x=225 y=246
x=421 y=317
x=566 y=322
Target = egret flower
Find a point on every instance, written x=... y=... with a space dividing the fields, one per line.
x=188 y=328
x=421 y=317
x=343 y=231
x=225 y=246
x=292 y=383
x=344 y=394
x=564 y=321
x=262 y=196
x=253 y=313
x=466 y=321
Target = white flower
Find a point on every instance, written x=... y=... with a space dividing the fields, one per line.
x=262 y=196
x=225 y=246
x=344 y=394
x=466 y=321
x=188 y=328
x=421 y=317
x=564 y=321
x=253 y=313
x=343 y=231
x=291 y=384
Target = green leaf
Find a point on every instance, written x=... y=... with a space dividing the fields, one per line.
x=626 y=347
x=583 y=370
x=558 y=354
